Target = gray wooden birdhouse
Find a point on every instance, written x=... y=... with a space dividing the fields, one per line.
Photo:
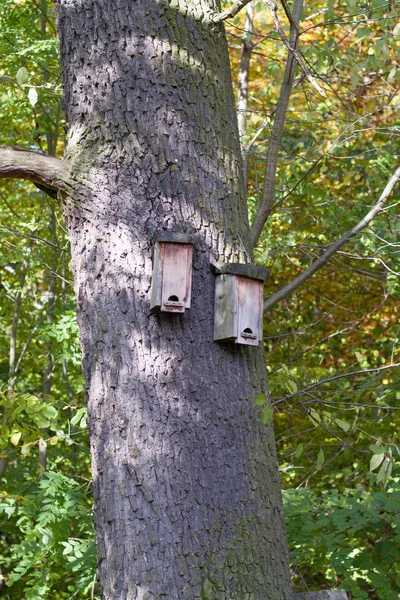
x=239 y=297
x=172 y=272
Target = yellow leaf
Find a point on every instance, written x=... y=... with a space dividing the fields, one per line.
x=14 y=439
x=25 y=449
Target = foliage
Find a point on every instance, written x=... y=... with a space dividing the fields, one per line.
x=46 y=530
x=53 y=555
x=348 y=539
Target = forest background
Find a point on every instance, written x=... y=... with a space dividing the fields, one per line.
x=332 y=345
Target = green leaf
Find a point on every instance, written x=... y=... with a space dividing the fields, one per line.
x=320 y=459
x=67 y=548
x=314 y=416
x=392 y=74
x=377 y=449
x=80 y=417
x=22 y=76
x=260 y=400
x=267 y=414
x=48 y=411
x=342 y=424
x=384 y=471
x=292 y=386
x=375 y=461
x=299 y=450
x=363 y=32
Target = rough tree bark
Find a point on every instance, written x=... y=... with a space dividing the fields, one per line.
x=186 y=485
x=185 y=475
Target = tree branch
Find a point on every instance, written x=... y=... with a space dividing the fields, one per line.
x=323 y=259
x=244 y=67
x=334 y=378
x=48 y=173
x=277 y=129
x=231 y=11
x=274 y=8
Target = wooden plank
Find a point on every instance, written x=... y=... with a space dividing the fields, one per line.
x=225 y=309
x=156 y=279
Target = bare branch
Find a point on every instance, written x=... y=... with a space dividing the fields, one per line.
x=243 y=85
x=231 y=11
x=277 y=129
x=323 y=259
x=244 y=67
x=49 y=173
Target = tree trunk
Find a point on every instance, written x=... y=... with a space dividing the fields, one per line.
x=186 y=484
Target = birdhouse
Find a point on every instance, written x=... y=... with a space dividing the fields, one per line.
x=239 y=297
x=172 y=272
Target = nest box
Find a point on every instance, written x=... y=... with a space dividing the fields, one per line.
x=239 y=298
x=172 y=272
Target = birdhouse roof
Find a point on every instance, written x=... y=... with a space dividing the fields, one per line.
x=245 y=270
x=174 y=237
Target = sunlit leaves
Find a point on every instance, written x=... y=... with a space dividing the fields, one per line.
x=44 y=518
x=79 y=418
x=350 y=538
x=23 y=412
x=34 y=266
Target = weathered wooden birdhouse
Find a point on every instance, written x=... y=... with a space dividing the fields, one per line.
x=172 y=272
x=239 y=297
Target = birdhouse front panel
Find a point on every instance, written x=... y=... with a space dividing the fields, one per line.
x=176 y=261
x=172 y=274
x=250 y=293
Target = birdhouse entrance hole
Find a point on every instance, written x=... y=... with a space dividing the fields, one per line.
x=247 y=333
x=173 y=301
